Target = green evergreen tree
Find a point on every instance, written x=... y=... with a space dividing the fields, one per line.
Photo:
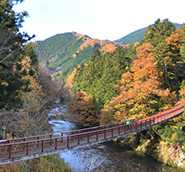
x=11 y=54
x=157 y=32
x=100 y=75
x=156 y=35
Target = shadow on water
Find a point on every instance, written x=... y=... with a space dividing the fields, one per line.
x=106 y=157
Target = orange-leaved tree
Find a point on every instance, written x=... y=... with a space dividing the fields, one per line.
x=140 y=92
x=83 y=110
x=70 y=79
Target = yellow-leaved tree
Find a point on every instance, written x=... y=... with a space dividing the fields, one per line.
x=83 y=110
x=140 y=91
x=31 y=118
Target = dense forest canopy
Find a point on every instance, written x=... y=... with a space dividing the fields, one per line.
x=63 y=53
x=135 y=81
x=99 y=76
x=139 y=79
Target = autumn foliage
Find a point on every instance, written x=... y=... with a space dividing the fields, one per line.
x=83 y=110
x=104 y=45
x=70 y=79
x=140 y=92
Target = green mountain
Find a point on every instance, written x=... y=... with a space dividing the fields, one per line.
x=62 y=53
x=136 y=36
x=133 y=37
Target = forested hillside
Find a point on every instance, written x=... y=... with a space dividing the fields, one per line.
x=99 y=75
x=64 y=52
x=133 y=82
x=137 y=36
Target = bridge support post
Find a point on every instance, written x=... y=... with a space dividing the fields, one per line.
x=24 y=144
x=104 y=134
x=88 y=138
x=78 y=139
x=10 y=151
x=27 y=149
x=38 y=142
x=156 y=119
x=118 y=130
x=8 y=147
x=68 y=141
x=50 y=139
x=55 y=144
x=61 y=137
x=42 y=145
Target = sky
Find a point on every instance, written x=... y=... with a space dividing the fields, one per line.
x=100 y=19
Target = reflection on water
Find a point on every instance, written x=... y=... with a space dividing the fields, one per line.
x=109 y=157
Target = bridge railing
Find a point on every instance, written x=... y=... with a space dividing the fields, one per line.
x=50 y=135
x=169 y=113
x=51 y=142
x=29 y=147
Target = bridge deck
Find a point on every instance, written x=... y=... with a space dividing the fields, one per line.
x=37 y=146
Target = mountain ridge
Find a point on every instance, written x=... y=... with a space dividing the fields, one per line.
x=62 y=53
x=137 y=36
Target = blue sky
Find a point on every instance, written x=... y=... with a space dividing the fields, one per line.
x=101 y=19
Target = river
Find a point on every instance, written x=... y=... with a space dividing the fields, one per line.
x=106 y=157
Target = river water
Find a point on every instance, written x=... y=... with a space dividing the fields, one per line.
x=106 y=157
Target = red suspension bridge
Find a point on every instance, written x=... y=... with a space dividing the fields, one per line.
x=21 y=149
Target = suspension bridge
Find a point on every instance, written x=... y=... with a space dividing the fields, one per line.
x=20 y=149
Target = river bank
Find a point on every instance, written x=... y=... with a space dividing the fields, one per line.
x=166 y=153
